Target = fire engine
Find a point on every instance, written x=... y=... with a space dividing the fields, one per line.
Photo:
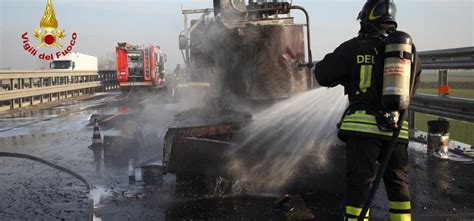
x=142 y=66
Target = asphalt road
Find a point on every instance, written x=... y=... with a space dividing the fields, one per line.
x=441 y=190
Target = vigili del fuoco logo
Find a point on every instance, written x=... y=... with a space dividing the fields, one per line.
x=48 y=35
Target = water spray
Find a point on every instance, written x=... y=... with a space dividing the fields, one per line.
x=302 y=127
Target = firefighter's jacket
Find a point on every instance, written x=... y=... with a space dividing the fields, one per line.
x=358 y=65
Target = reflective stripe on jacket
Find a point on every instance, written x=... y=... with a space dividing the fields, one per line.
x=361 y=122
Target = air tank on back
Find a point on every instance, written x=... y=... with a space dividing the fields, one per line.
x=397 y=71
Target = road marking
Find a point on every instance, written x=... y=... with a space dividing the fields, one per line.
x=144 y=101
x=111 y=117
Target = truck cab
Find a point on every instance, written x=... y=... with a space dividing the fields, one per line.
x=63 y=65
x=75 y=62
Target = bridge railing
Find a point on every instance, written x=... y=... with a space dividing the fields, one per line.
x=442 y=104
x=108 y=80
x=24 y=88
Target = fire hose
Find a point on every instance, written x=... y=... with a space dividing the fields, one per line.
x=55 y=166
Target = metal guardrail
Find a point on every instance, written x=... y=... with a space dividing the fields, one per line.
x=38 y=91
x=448 y=53
x=443 y=105
x=108 y=80
x=449 y=107
x=452 y=59
x=25 y=88
x=16 y=74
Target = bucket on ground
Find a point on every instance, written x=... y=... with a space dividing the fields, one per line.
x=438 y=137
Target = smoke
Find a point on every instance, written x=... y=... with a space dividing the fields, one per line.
x=280 y=137
x=249 y=64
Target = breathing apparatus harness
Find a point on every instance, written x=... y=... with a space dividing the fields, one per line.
x=396 y=101
x=395 y=67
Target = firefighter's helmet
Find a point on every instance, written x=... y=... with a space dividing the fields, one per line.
x=376 y=12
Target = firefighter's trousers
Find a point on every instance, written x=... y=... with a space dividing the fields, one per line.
x=361 y=156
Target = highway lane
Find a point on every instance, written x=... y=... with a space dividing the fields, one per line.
x=441 y=189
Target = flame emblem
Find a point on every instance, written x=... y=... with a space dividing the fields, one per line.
x=49 y=33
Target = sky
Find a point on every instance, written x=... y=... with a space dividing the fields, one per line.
x=433 y=24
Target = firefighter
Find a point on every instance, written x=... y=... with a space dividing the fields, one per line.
x=175 y=79
x=367 y=125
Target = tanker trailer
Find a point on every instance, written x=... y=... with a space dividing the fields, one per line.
x=250 y=56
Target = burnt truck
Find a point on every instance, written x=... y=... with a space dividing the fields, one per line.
x=254 y=52
x=250 y=55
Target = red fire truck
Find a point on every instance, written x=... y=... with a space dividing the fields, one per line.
x=140 y=66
